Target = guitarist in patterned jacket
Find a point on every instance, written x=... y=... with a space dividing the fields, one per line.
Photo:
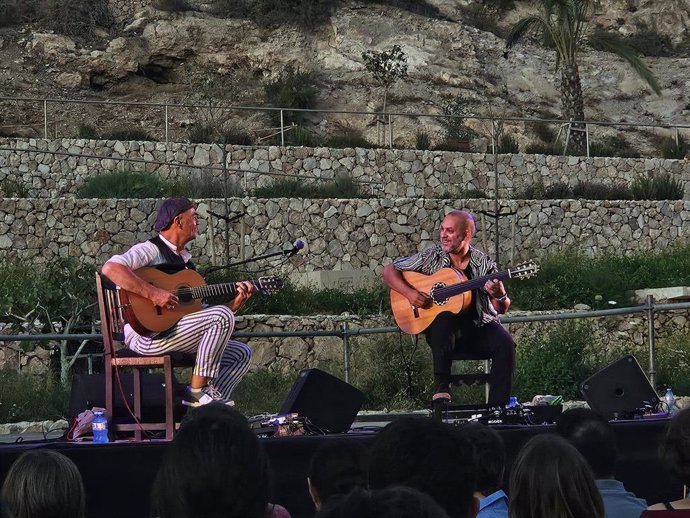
x=220 y=362
x=477 y=327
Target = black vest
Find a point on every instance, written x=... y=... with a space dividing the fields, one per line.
x=173 y=262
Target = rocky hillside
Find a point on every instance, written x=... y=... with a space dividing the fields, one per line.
x=151 y=55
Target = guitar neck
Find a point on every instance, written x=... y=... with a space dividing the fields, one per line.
x=462 y=287
x=210 y=290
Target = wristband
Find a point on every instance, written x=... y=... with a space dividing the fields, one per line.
x=501 y=299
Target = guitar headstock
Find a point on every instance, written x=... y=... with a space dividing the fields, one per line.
x=269 y=285
x=524 y=270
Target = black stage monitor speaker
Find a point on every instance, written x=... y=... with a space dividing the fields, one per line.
x=88 y=390
x=329 y=403
x=619 y=388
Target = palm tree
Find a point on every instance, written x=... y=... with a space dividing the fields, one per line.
x=564 y=25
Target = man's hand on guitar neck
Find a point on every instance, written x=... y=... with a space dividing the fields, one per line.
x=245 y=290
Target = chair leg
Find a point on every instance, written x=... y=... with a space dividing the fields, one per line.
x=169 y=419
x=136 y=374
x=109 y=413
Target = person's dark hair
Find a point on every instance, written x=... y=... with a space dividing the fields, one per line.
x=392 y=502
x=337 y=468
x=214 y=466
x=43 y=483
x=674 y=449
x=550 y=479
x=593 y=437
x=429 y=456
x=490 y=449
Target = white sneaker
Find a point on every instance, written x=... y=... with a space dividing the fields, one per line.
x=207 y=394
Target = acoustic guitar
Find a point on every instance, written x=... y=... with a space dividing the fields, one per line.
x=190 y=287
x=449 y=291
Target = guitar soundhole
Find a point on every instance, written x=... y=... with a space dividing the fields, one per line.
x=438 y=300
x=185 y=294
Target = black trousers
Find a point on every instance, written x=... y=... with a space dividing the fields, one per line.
x=450 y=333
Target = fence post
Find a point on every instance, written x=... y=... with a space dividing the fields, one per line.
x=45 y=118
x=346 y=351
x=650 y=336
x=166 y=123
x=390 y=131
x=587 y=138
x=282 y=129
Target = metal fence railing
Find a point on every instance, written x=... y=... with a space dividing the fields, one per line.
x=168 y=113
x=650 y=309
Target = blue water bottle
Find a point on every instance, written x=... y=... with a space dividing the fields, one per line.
x=513 y=403
x=100 y=427
x=670 y=402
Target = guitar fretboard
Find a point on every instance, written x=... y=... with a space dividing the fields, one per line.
x=209 y=290
x=451 y=290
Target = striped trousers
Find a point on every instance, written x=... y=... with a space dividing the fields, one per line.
x=206 y=332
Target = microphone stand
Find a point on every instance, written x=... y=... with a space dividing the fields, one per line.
x=286 y=253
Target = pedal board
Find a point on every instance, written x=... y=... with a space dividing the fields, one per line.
x=492 y=416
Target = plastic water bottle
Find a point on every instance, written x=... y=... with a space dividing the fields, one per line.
x=513 y=402
x=670 y=401
x=100 y=427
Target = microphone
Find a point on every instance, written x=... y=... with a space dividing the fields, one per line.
x=296 y=247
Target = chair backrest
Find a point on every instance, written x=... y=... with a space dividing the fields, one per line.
x=111 y=312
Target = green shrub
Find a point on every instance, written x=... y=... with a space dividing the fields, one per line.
x=224 y=133
x=483 y=18
x=57 y=288
x=613 y=146
x=173 y=6
x=508 y=144
x=262 y=392
x=543 y=131
x=14 y=189
x=600 y=191
x=25 y=397
x=393 y=371
x=127 y=134
x=299 y=136
x=74 y=17
x=455 y=111
x=672 y=150
x=557 y=191
x=86 y=131
x=647 y=41
x=201 y=185
x=554 y=360
x=293 y=88
x=544 y=149
x=342 y=187
x=657 y=187
x=672 y=365
x=267 y=13
x=422 y=140
x=122 y=184
x=349 y=137
x=570 y=277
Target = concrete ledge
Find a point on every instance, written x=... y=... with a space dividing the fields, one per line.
x=674 y=293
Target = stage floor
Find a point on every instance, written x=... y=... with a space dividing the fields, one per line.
x=118 y=476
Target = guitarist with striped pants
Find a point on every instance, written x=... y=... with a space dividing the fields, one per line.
x=220 y=362
x=476 y=328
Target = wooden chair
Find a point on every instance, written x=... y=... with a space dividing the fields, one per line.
x=118 y=357
x=472 y=378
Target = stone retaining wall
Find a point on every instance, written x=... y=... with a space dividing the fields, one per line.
x=391 y=173
x=340 y=234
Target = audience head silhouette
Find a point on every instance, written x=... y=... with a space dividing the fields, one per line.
x=430 y=456
x=44 y=483
x=550 y=479
x=593 y=437
x=214 y=466
x=337 y=468
x=392 y=502
x=674 y=449
x=490 y=450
